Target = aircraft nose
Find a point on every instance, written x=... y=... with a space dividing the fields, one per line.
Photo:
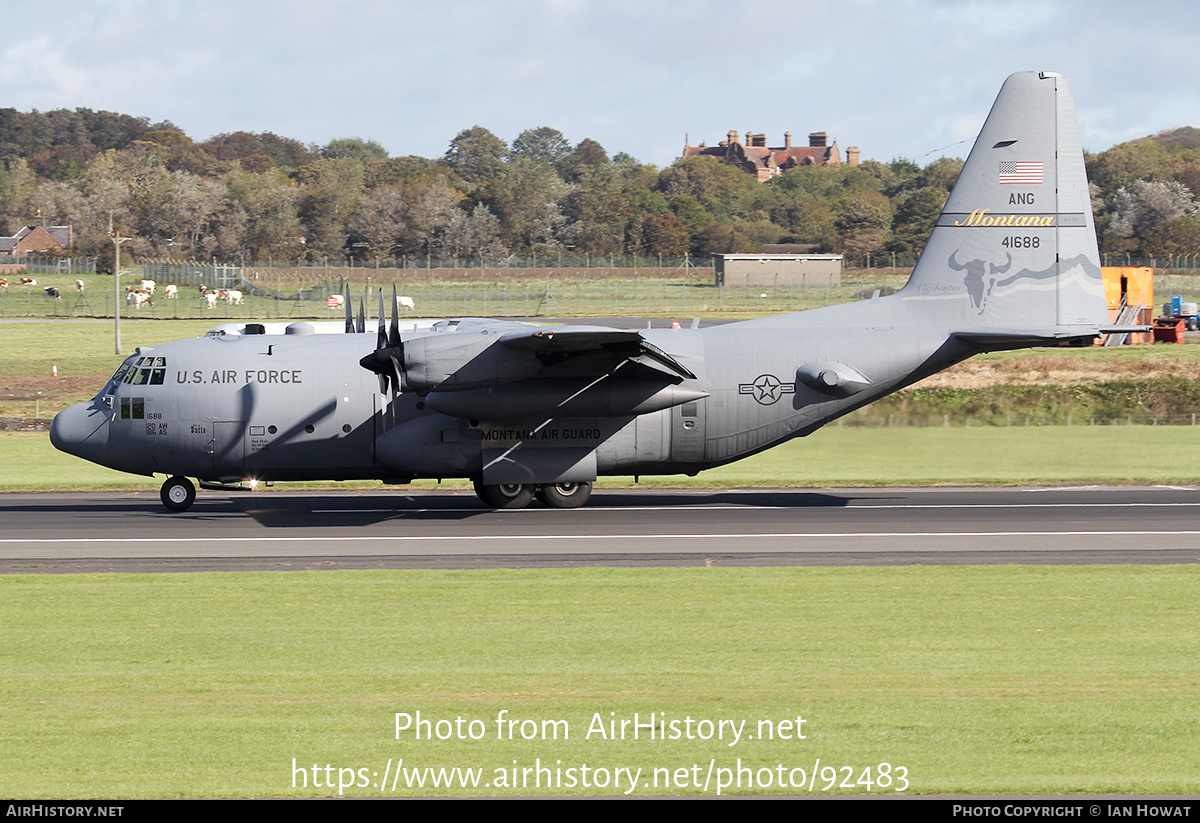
x=80 y=430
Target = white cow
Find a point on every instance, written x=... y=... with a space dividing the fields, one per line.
x=406 y=302
x=138 y=298
x=210 y=299
x=171 y=292
x=233 y=297
x=147 y=285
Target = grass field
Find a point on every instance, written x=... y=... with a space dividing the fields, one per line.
x=970 y=680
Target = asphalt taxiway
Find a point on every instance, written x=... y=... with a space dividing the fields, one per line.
x=57 y=533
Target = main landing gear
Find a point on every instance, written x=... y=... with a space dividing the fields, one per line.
x=519 y=495
x=178 y=494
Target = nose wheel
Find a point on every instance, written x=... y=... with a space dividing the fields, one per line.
x=178 y=494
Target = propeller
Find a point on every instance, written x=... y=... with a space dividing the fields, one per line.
x=387 y=360
x=349 y=311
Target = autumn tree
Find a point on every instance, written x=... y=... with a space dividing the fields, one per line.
x=476 y=155
x=546 y=146
x=354 y=148
x=330 y=191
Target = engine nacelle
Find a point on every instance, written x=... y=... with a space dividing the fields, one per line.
x=458 y=361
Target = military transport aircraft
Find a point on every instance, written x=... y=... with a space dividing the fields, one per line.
x=530 y=411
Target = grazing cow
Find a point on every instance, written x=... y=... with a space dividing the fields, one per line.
x=28 y=281
x=52 y=292
x=138 y=298
x=79 y=286
x=3 y=282
x=147 y=285
x=233 y=297
x=210 y=298
x=406 y=302
x=172 y=292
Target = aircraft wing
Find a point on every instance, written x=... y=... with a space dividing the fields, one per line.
x=621 y=344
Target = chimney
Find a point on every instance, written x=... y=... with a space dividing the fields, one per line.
x=852 y=155
x=787 y=139
x=733 y=137
x=817 y=140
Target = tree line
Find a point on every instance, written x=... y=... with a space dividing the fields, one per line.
x=246 y=196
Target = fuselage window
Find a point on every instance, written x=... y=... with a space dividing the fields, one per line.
x=133 y=408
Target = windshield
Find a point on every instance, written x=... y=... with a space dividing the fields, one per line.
x=137 y=370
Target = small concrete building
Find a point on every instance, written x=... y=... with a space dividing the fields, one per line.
x=762 y=270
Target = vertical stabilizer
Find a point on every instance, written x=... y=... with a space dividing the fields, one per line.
x=1015 y=246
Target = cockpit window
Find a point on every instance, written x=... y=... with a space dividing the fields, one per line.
x=145 y=371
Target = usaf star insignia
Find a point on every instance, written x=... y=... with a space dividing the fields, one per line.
x=767 y=389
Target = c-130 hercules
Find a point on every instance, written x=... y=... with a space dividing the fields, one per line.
x=530 y=411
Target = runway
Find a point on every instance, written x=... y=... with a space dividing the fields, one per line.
x=272 y=530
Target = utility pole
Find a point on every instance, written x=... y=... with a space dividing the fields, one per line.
x=117 y=241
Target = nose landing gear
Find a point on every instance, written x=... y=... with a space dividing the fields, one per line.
x=178 y=494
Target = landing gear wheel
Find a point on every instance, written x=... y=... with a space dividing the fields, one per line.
x=505 y=495
x=564 y=495
x=178 y=494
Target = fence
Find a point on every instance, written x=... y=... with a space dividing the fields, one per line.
x=59 y=265
x=296 y=291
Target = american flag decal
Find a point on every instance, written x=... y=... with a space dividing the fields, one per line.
x=1020 y=173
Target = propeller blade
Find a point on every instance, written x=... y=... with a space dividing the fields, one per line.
x=382 y=340
x=349 y=311
x=394 y=329
x=395 y=373
x=361 y=325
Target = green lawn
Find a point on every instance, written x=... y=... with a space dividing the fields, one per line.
x=1024 y=680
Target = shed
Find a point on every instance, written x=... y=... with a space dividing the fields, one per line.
x=761 y=270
